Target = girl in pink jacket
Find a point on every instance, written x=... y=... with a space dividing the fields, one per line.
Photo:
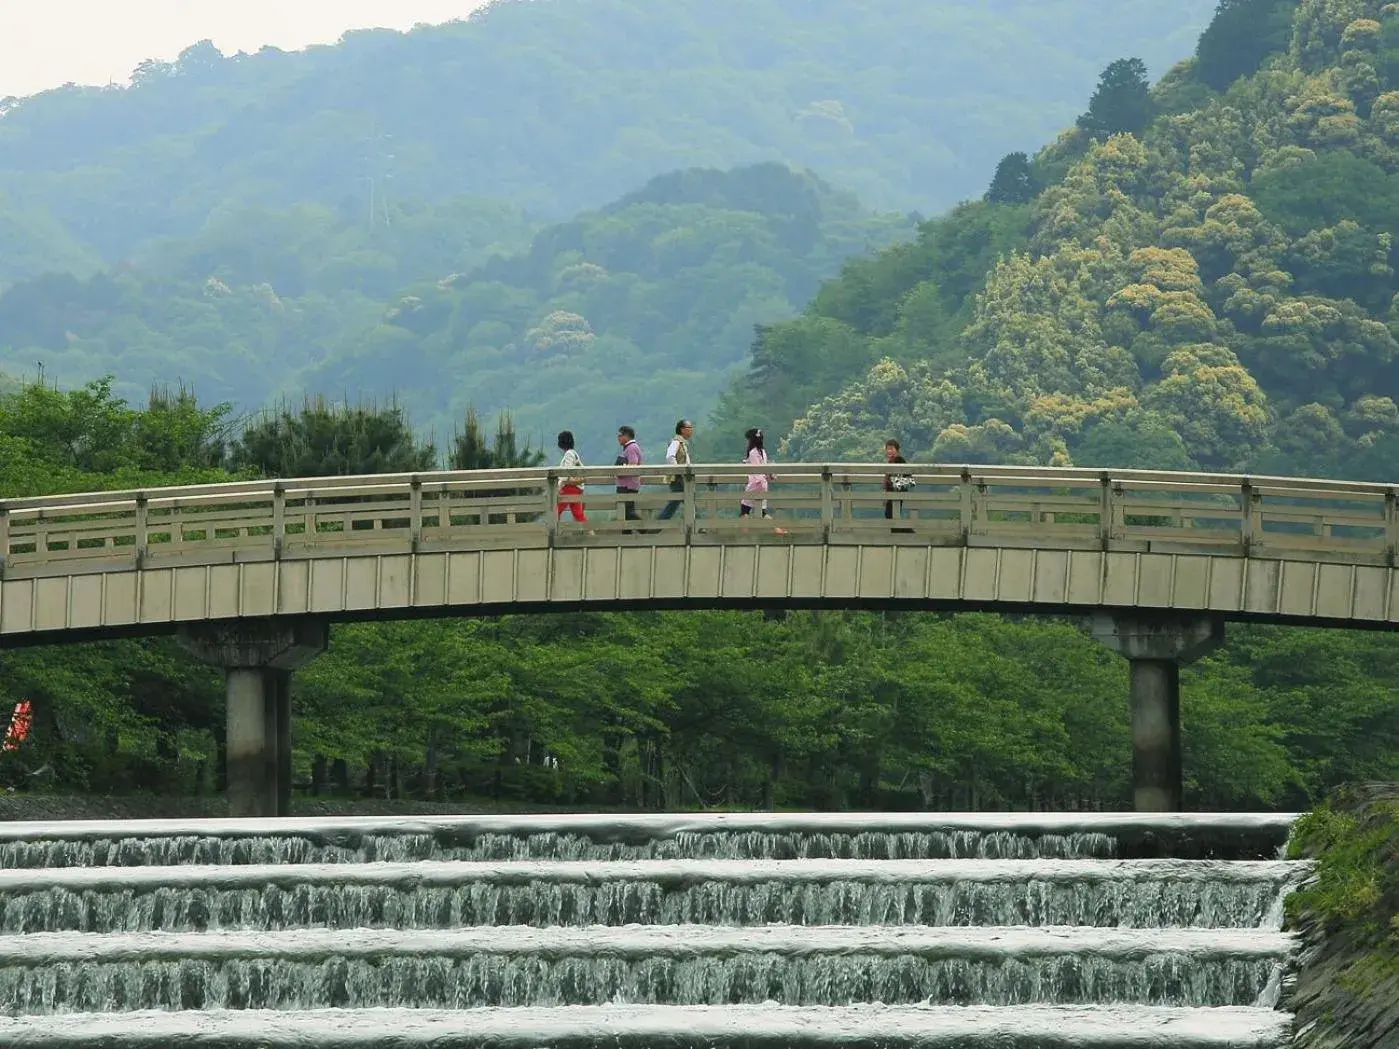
x=757 y=482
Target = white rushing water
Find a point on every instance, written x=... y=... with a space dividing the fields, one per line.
x=778 y=836
x=1138 y=893
x=1004 y=931
x=1117 y=1027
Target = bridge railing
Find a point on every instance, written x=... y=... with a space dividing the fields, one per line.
x=836 y=503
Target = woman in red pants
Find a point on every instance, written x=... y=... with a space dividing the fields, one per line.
x=570 y=485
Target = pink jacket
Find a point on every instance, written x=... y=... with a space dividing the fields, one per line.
x=757 y=482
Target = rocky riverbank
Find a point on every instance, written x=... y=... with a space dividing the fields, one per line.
x=1345 y=993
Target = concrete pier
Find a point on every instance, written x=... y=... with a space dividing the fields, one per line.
x=1157 y=646
x=257 y=658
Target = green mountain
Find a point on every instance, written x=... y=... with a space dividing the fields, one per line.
x=639 y=312
x=560 y=106
x=1203 y=274
x=238 y=309
x=32 y=241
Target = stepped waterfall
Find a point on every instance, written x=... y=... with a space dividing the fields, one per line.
x=978 y=931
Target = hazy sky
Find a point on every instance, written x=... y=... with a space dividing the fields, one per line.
x=45 y=43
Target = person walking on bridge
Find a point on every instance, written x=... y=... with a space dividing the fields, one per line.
x=896 y=482
x=628 y=484
x=756 y=457
x=678 y=453
x=570 y=484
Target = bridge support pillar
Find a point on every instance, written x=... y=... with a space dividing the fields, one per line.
x=257 y=658
x=1157 y=646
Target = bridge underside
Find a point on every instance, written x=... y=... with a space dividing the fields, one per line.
x=365 y=585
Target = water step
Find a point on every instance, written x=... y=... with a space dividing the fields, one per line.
x=777 y=836
x=645 y=941
x=681 y=965
x=675 y=1027
x=1138 y=893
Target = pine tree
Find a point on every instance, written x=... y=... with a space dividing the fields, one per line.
x=471 y=452
x=1241 y=36
x=1122 y=102
x=1014 y=181
x=325 y=440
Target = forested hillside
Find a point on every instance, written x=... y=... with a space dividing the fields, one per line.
x=562 y=105
x=237 y=310
x=32 y=241
x=638 y=312
x=1202 y=274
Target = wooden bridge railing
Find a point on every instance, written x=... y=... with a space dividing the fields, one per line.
x=1353 y=523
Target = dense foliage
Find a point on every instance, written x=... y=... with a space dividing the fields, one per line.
x=1213 y=288
x=565 y=105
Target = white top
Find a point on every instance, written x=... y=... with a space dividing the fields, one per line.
x=672 y=452
x=571 y=461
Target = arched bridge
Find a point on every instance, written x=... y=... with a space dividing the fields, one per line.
x=987 y=537
x=251 y=573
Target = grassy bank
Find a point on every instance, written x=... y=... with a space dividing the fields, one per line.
x=1347 y=990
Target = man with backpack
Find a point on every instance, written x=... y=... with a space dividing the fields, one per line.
x=677 y=453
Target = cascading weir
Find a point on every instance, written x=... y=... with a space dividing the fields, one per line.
x=1025 y=931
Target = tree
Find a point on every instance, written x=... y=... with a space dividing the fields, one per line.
x=471 y=452
x=1243 y=34
x=324 y=439
x=1122 y=101
x=1138 y=443
x=1014 y=181
x=54 y=440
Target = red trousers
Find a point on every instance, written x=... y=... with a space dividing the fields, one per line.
x=576 y=509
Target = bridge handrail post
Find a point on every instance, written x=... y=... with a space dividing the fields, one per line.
x=142 y=536
x=415 y=512
x=310 y=512
x=551 y=514
x=1251 y=523
x=279 y=520
x=966 y=509
x=828 y=507
x=4 y=538
x=688 y=509
x=1391 y=528
x=1106 y=508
